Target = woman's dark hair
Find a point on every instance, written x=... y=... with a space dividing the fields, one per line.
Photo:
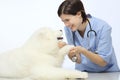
x=72 y=7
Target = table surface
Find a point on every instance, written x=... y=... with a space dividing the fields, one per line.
x=104 y=76
x=92 y=76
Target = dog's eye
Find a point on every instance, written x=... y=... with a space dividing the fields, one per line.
x=59 y=38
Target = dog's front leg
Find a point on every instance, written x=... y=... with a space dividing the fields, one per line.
x=53 y=73
x=64 y=50
x=62 y=53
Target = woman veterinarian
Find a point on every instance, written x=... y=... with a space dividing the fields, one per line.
x=93 y=51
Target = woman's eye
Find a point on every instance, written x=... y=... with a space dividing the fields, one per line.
x=67 y=20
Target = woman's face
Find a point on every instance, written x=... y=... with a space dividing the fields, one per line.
x=72 y=21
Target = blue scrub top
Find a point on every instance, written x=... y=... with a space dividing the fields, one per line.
x=100 y=44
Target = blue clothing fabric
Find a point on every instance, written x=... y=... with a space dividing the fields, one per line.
x=100 y=44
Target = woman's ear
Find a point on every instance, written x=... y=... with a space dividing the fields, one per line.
x=79 y=14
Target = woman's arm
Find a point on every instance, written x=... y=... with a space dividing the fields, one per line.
x=95 y=58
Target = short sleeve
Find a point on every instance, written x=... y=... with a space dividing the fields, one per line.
x=104 y=48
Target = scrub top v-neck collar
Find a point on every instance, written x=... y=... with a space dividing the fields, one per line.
x=83 y=41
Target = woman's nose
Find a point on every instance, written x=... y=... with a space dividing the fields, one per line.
x=67 y=24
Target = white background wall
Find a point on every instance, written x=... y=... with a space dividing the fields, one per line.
x=20 y=18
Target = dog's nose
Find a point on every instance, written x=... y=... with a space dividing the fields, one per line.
x=61 y=30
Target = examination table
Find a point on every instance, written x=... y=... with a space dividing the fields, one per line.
x=93 y=76
x=104 y=76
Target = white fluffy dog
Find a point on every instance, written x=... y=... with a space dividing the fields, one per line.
x=39 y=58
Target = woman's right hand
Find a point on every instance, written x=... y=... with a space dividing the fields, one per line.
x=75 y=53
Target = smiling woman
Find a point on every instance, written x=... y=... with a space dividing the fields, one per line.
x=94 y=51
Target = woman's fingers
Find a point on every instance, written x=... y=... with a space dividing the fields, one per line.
x=71 y=54
x=61 y=44
x=74 y=55
x=78 y=58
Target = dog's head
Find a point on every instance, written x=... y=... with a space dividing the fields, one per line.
x=45 y=38
x=49 y=35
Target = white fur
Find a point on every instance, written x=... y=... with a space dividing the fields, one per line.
x=39 y=58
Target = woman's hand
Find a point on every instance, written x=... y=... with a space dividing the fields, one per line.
x=75 y=51
x=61 y=44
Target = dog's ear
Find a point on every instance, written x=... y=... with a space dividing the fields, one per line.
x=43 y=35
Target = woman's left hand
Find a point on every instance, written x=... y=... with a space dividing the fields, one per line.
x=61 y=44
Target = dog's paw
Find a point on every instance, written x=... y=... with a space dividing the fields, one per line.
x=65 y=50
